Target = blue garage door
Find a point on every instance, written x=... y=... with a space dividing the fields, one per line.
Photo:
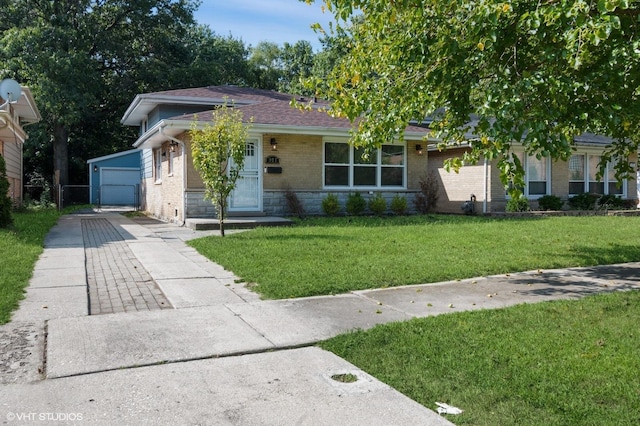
x=119 y=186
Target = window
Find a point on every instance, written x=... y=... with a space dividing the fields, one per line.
x=345 y=166
x=537 y=175
x=158 y=165
x=583 y=165
x=576 y=174
x=614 y=186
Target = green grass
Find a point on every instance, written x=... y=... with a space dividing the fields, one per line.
x=553 y=363
x=20 y=246
x=335 y=255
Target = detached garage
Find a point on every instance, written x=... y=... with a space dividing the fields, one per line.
x=114 y=179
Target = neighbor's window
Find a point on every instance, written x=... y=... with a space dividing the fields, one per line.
x=349 y=167
x=576 y=174
x=537 y=175
x=614 y=186
x=583 y=165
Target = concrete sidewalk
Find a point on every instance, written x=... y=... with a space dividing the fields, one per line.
x=221 y=355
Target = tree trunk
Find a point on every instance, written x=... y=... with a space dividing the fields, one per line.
x=221 y=207
x=60 y=157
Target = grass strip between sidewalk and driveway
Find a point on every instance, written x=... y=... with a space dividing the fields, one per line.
x=551 y=363
x=322 y=256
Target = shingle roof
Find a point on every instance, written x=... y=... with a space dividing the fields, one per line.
x=234 y=93
x=278 y=111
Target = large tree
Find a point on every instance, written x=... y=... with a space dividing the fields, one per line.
x=532 y=72
x=82 y=57
x=282 y=68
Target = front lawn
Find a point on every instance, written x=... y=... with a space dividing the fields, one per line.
x=553 y=363
x=20 y=246
x=334 y=255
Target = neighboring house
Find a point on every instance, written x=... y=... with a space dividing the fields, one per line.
x=114 y=180
x=14 y=117
x=307 y=152
x=288 y=149
x=544 y=176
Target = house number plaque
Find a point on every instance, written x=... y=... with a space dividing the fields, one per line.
x=272 y=159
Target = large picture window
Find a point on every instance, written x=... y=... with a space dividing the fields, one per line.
x=583 y=171
x=345 y=166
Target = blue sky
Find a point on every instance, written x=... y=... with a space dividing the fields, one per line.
x=254 y=21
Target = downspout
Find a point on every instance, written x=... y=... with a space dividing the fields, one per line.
x=184 y=172
x=486 y=185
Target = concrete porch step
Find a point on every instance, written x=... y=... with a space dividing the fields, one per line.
x=236 y=222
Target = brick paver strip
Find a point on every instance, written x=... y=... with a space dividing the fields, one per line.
x=117 y=281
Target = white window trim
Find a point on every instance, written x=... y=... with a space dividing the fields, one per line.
x=351 y=165
x=605 y=178
x=547 y=178
x=525 y=165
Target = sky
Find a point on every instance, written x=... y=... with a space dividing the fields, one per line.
x=254 y=21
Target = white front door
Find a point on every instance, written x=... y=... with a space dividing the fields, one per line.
x=246 y=196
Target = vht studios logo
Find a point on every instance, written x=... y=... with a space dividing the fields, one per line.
x=44 y=417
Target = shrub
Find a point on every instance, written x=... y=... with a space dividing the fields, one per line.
x=355 y=204
x=293 y=203
x=584 y=201
x=427 y=198
x=550 y=202
x=5 y=201
x=399 y=205
x=611 y=202
x=378 y=205
x=520 y=204
x=330 y=205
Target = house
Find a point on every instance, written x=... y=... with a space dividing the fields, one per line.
x=544 y=176
x=288 y=149
x=14 y=116
x=114 y=180
x=307 y=152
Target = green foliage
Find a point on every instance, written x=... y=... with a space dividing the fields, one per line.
x=518 y=204
x=554 y=363
x=585 y=201
x=427 y=199
x=330 y=205
x=378 y=205
x=355 y=204
x=282 y=68
x=611 y=201
x=85 y=61
x=5 y=201
x=218 y=149
x=20 y=248
x=550 y=202
x=519 y=67
x=399 y=205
